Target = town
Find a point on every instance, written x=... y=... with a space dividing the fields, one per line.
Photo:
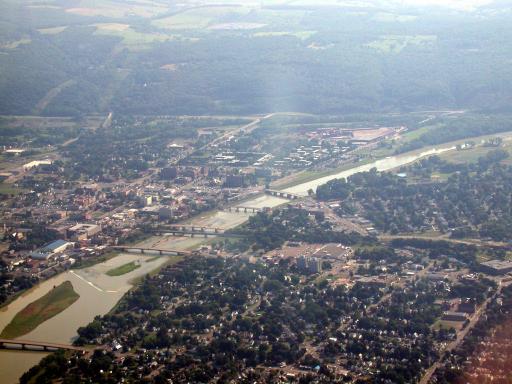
x=363 y=302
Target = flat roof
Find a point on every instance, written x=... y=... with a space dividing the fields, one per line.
x=498 y=264
x=54 y=245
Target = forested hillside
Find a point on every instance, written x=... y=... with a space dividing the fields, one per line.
x=72 y=57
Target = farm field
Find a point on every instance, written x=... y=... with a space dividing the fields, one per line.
x=397 y=43
x=199 y=18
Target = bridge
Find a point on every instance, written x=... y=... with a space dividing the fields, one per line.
x=192 y=228
x=285 y=195
x=159 y=251
x=177 y=232
x=244 y=209
x=29 y=345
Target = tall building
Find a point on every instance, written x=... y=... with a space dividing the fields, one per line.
x=315 y=265
x=234 y=181
x=309 y=264
x=169 y=173
x=302 y=263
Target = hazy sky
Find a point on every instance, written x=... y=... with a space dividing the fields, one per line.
x=460 y=4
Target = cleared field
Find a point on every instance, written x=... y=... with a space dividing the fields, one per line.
x=443 y=324
x=15 y=44
x=471 y=155
x=8 y=189
x=397 y=43
x=130 y=36
x=123 y=269
x=302 y=35
x=36 y=313
x=199 y=18
x=394 y=18
x=118 y=9
x=52 y=31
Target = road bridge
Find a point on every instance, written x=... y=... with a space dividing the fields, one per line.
x=195 y=228
x=243 y=209
x=29 y=345
x=170 y=232
x=284 y=195
x=159 y=251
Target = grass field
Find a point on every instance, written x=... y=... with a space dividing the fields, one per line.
x=199 y=18
x=130 y=36
x=397 y=43
x=123 y=269
x=52 y=31
x=302 y=35
x=36 y=313
x=15 y=44
x=8 y=189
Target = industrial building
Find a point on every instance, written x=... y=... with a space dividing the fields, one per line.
x=497 y=267
x=81 y=232
x=49 y=250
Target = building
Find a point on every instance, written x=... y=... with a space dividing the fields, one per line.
x=169 y=173
x=36 y=163
x=467 y=306
x=14 y=152
x=44 y=253
x=234 y=181
x=454 y=316
x=373 y=281
x=437 y=276
x=82 y=232
x=302 y=263
x=315 y=265
x=497 y=267
x=165 y=213
x=263 y=172
x=309 y=264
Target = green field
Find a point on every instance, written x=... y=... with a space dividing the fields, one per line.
x=471 y=155
x=36 y=313
x=8 y=189
x=130 y=36
x=397 y=43
x=123 y=269
x=199 y=18
x=302 y=35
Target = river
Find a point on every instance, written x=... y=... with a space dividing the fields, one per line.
x=99 y=292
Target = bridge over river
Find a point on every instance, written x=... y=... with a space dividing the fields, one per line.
x=29 y=345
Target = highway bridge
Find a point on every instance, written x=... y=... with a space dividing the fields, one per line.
x=29 y=345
